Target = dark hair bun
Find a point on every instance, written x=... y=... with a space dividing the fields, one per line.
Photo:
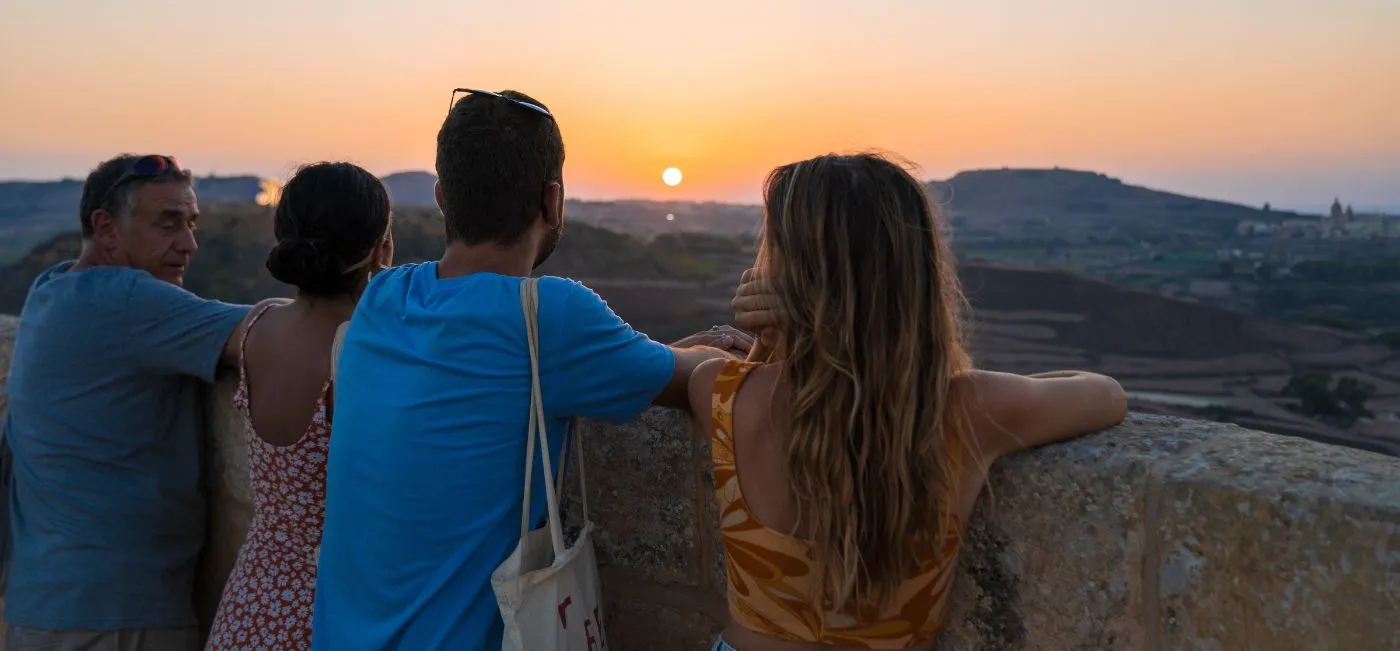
x=329 y=218
x=305 y=263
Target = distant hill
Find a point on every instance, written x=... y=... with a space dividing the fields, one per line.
x=990 y=202
x=16 y=278
x=1028 y=320
x=986 y=202
x=234 y=240
x=411 y=188
x=983 y=203
x=1072 y=202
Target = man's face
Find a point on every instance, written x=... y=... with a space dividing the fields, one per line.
x=158 y=237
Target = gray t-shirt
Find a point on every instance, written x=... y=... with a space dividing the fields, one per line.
x=107 y=507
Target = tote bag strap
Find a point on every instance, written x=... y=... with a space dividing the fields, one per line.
x=539 y=434
x=336 y=344
x=538 y=428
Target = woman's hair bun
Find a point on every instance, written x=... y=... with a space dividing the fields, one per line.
x=329 y=217
x=306 y=263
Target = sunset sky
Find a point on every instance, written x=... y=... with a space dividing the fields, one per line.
x=1289 y=101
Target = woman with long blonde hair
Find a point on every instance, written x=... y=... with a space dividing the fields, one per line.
x=850 y=447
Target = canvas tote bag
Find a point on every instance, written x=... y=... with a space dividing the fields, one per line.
x=549 y=595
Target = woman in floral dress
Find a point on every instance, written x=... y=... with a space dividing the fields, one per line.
x=332 y=230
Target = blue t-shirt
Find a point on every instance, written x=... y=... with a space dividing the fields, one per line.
x=426 y=470
x=106 y=501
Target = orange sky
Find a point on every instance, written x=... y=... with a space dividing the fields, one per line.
x=1290 y=101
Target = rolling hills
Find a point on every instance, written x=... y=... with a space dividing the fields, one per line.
x=1175 y=356
x=983 y=203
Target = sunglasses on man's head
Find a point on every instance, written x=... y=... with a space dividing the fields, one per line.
x=145 y=167
x=473 y=91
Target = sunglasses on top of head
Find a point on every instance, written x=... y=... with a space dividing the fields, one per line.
x=474 y=91
x=145 y=167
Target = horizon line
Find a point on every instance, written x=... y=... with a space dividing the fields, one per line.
x=1310 y=209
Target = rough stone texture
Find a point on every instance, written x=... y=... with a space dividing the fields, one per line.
x=8 y=325
x=230 y=495
x=643 y=616
x=1161 y=534
x=1063 y=529
x=1075 y=546
x=1261 y=550
x=642 y=482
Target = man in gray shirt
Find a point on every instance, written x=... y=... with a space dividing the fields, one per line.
x=107 y=511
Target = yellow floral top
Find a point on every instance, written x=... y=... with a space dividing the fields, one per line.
x=773 y=577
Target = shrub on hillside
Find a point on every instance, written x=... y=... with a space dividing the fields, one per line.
x=1340 y=405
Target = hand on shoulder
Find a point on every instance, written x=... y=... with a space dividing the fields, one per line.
x=733 y=341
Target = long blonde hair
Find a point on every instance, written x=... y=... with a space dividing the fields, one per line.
x=875 y=338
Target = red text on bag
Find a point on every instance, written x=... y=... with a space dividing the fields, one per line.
x=588 y=624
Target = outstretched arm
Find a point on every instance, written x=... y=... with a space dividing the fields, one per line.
x=1010 y=412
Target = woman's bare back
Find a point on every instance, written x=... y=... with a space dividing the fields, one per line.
x=288 y=363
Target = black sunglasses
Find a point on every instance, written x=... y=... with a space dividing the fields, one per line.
x=473 y=91
x=145 y=167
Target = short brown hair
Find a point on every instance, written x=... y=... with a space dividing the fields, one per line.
x=494 y=158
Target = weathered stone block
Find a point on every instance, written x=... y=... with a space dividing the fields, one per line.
x=642 y=492
x=8 y=326
x=230 y=495
x=646 y=617
x=1054 y=553
x=1269 y=542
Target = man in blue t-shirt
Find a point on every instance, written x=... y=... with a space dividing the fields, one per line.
x=433 y=389
x=106 y=507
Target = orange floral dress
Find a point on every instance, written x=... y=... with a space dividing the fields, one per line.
x=267 y=601
x=772 y=576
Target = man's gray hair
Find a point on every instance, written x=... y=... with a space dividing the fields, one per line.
x=99 y=193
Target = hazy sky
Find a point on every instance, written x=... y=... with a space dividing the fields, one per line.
x=1289 y=101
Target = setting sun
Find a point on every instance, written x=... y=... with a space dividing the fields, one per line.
x=671 y=177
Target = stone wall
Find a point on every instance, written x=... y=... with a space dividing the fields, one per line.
x=7 y=346
x=1159 y=534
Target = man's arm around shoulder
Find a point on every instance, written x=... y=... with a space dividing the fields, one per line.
x=174 y=331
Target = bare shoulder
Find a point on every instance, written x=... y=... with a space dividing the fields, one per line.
x=265 y=305
x=701 y=385
x=989 y=393
x=269 y=302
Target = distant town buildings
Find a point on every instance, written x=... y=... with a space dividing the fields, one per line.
x=1341 y=222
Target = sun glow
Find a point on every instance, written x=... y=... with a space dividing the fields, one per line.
x=269 y=191
x=671 y=177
